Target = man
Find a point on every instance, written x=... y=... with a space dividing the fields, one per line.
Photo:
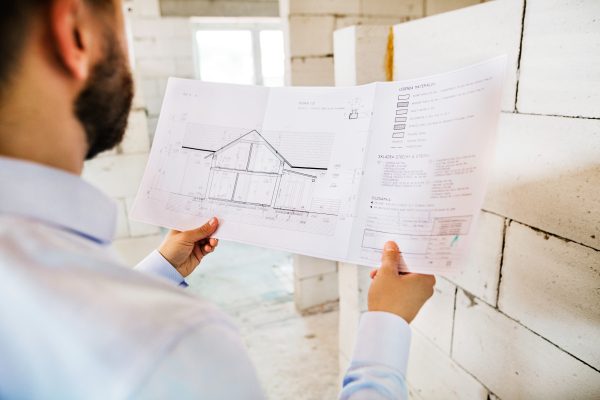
x=76 y=324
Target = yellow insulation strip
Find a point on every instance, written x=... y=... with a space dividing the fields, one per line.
x=388 y=65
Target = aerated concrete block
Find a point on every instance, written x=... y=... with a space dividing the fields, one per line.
x=185 y=67
x=305 y=266
x=387 y=21
x=354 y=284
x=146 y=8
x=436 y=317
x=136 y=136
x=512 y=361
x=316 y=290
x=546 y=174
x=153 y=68
x=116 y=176
x=150 y=87
x=457 y=39
x=433 y=7
x=137 y=228
x=560 y=59
x=359 y=54
x=348 y=328
x=481 y=272
x=552 y=287
x=122 y=227
x=312 y=71
x=145 y=48
x=134 y=250
x=311 y=36
x=411 y=9
x=324 y=6
x=174 y=47
x=434 y=375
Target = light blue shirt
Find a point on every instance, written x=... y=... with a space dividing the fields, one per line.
x=75 y=323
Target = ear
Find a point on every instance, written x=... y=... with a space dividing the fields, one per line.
x=71 y=38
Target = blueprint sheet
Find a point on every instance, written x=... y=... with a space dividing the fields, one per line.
x=330 y=172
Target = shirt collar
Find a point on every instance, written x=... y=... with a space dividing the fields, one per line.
x=56 y=197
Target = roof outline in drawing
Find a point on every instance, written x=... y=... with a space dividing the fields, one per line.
x=273 y=150
x=301 y=149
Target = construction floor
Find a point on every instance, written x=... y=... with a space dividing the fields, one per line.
x=296 y=356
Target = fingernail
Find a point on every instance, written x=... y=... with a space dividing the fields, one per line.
x=213 y=221
x=390 y=246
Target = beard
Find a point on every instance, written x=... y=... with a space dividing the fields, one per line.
x=103 y=105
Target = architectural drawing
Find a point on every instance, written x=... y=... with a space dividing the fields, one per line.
x=315 y=171
x=250 y=171
x=238 y=174
x=355 y=110
x=424 y=239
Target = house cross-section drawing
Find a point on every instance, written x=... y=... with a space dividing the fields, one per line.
x=249 y=170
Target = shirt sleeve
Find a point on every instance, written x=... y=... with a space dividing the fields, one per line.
x=211 y=363
x=378 y=366
x=156 y=264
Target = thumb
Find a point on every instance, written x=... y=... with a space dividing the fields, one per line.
x=203 y=232
x=390 y=258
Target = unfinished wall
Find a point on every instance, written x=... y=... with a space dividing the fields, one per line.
x=162 y=47
x=219 y=8
x=309 y=24
x=523 y=319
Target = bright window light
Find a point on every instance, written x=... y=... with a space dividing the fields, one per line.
x=226 y=56
x=239 y=50
x=272 y=57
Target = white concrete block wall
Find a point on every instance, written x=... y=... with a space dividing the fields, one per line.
x=354 y=282
x=433 y=7
x=312 y=71
x=522 y=321
x=481 y=273
x=431 y=46
x=560 y=66
x=546 y=173
x=436 y=319
x=432 y=374
x=162 y=47
x=550 y=286
x=315 y=281
x=367 y=40
x=309 y=25
x=307 y=33
x=514 y=362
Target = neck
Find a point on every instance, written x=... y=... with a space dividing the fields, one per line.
x=37 y=122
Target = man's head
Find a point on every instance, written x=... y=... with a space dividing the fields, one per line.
x=74 y=53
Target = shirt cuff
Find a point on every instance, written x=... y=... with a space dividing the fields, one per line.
x=156 y=264
x=383 y=338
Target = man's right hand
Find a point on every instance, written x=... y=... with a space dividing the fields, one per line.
x=403 y=295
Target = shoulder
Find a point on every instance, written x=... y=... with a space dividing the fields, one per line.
x=94 y=320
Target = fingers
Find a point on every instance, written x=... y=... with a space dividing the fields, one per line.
x=373 y=273
x=206 y=246
x=203 y=232
x=390 y=258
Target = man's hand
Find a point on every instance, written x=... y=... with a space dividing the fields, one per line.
x=185 y=250
x=403 y=295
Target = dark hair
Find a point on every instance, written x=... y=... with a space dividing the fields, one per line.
x=15 y=25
